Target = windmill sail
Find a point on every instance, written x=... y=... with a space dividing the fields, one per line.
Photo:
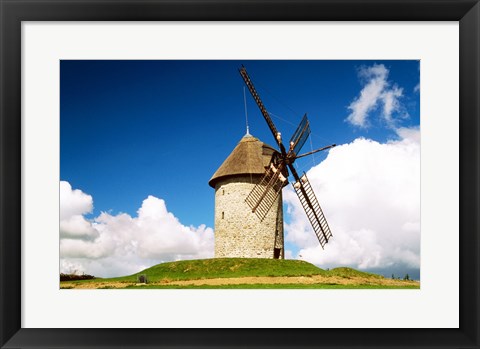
x=300 y=136
x=313 y=210
x=265 y=192
x=263 y=110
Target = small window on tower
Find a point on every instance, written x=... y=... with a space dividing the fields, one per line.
x=223 y=215
x=223 y=191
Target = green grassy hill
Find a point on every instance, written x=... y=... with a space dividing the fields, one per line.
x=267 y=273
x=225 y=268
x=236 y=268
x=230 y=268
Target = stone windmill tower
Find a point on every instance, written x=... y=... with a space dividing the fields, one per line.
x=238 y=231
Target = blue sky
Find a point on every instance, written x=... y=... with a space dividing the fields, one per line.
x=134 y=129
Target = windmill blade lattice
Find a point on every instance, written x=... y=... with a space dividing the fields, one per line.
x=265 y=192
x=300 y=136
x=313 y=210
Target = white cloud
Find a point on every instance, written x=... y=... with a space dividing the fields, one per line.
x=288 y=254
x=370 y=194
x=416 y=88
x=409 y=133
x=112 y=245
x=391 y=103
x=77 y=227
x=73 y=205
x=73 y=202
x=376 y=91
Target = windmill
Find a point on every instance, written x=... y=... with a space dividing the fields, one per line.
x=265 y=192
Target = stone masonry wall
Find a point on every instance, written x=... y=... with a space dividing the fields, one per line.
x=238 y=231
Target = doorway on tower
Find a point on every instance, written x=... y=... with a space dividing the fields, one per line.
x=276 y=253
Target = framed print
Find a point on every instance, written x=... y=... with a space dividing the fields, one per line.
x=77 y=76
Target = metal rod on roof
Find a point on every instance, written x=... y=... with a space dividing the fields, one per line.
x=246 y=114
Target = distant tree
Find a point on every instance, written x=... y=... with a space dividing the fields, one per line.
x=71 y=277
x=406 y=277
x=393 y=276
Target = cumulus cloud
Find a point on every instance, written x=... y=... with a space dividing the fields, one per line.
x=74 y=204
x=112 y=245
x=370 y=194
x=377 y=90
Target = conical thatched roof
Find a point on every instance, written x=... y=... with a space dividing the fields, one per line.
x=250 y=156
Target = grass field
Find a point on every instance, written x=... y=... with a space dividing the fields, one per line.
x=274 y=286
x=245 y=273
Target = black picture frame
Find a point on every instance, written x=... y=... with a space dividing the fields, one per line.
x=13 y=12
